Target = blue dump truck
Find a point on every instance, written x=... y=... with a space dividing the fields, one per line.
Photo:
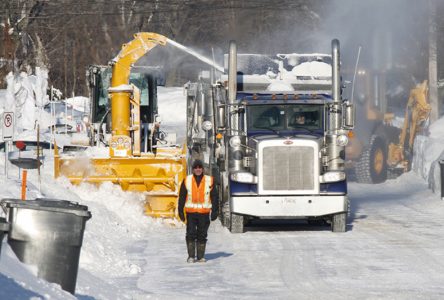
x=272 y=130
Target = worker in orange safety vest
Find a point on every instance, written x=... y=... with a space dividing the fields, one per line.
x=198 y=199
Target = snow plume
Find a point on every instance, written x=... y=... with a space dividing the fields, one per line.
x=393 y=36
x=177 y=65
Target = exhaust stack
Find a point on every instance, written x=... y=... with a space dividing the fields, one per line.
x=334 y=151
x=336 y=80
x=232 y=87
x=234 y=162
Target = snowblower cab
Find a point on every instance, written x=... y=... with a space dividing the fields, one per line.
x=125 y=119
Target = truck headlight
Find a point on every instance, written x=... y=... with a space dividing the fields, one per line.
x=244 y=177
x=235 y=141
x=342 y=140
x=207 y=125
x=332 y=176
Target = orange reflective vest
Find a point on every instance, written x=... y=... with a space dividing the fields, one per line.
x=198 y=197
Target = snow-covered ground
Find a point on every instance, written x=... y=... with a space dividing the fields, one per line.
x=393 y=248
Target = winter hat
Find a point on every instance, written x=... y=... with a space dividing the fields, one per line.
x=197 y=163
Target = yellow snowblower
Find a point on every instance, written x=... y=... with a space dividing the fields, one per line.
x=135 y=161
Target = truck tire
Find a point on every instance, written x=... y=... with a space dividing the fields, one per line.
x=339 y=222
x=236 y=223
x=372 y=165
x=225 y=215
x=224 y=203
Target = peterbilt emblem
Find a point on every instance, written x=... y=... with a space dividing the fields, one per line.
x=288 y=142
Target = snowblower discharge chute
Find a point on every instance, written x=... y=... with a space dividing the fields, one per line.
x=134 y=161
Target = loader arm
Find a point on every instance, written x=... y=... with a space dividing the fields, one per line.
x=416 y=113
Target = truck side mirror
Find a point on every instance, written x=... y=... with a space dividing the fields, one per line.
x=221 y=116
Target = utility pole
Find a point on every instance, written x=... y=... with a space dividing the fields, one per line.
x=433 y=62
x=7 y=53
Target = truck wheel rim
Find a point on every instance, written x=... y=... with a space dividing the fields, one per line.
x=379 y=161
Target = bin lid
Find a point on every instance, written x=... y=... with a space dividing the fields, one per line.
x=4 y=226
x=46 y=204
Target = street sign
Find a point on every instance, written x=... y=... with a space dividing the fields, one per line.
x=8 y=126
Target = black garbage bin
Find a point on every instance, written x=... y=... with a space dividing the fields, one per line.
x=48 y=233
x=4 y=226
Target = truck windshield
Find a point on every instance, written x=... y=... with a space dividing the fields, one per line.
x=280 y=117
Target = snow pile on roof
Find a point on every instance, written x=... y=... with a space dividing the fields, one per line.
x=79 y=103
x=312 y=69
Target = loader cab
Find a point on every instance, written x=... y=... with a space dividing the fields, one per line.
x=144 y=78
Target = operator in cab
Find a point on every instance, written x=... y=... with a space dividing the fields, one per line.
x=300 y=119
x=198 y=202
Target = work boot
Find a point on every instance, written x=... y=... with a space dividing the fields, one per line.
x=191 y=247
x=201 y=252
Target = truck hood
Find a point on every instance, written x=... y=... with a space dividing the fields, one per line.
x=256 y=139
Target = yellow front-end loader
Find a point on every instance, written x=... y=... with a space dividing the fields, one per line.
x=159 y=172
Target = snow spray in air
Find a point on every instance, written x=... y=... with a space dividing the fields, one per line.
x=197 y=55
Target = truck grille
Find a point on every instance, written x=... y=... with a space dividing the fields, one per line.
x=288 y=168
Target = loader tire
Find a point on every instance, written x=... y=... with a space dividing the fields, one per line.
x=372 y=165
x=236 y=223
x=339 y=222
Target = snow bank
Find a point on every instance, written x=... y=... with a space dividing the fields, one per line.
x=427 y=151
x=117 y=221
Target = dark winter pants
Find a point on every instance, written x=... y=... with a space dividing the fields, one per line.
x=197 y=227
